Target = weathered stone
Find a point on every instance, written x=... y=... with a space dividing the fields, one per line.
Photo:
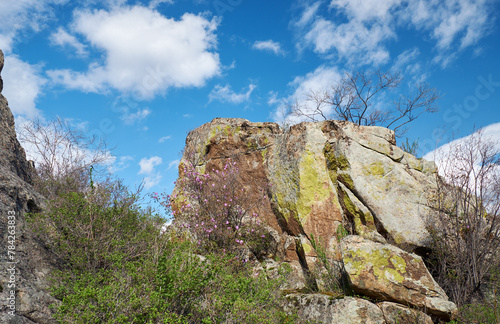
x=320 y=179
x=17 y=198
x=289 y=168
x=320 y=308
x=399 y=314
x=386 y=180
x=295 y=280
x=385 y=272
x=360 y=216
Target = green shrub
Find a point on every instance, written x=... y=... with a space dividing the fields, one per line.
x=117 y=267
x=218 y=288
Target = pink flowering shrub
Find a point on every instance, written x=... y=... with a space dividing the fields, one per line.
x=216 y=209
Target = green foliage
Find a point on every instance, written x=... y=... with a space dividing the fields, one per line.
x=341 y=232
x=97 y=229
x=117 y=267
x=410 y=148
x=327 y=271
x=217 y=288
x=479 y=313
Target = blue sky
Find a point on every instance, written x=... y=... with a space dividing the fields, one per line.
x=142 y=74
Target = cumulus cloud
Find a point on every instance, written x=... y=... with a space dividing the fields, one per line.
x=148 y=168
x=225 y=94
x=370 y=24
x=22 y=86
x=148 y=165
x=317 y=80
x=268 y=45
x=63 y=38
x=22 y=15
x=144 y=52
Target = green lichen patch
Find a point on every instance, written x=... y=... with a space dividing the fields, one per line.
x=346 y=179
x=363 y=222
x=384 y=264
x=312 y=186
x=334 y=161
x=376 y=169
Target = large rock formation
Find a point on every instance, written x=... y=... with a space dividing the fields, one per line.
x=325 y=179
x=25 y=265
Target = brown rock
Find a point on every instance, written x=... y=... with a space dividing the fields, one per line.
x=33 y=261
x=399 y=314
x=320 y=308
x=385 y=272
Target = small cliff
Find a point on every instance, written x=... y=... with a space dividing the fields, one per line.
x=325 y=179
x=25 y=262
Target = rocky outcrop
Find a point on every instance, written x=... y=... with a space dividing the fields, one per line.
x=326 y=180
x=385 y=272
x=320 y=308
x=25 y=263
x=321 y=176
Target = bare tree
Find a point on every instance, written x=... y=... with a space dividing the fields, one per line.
x=466 y=226
x=353 y=97
x=64 y=156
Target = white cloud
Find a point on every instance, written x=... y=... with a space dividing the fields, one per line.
x=148 y=165
x=22 y=85
x=152 y=180
x=268 y=45
x=318 y=80
x=490 y=132
x=148 y=168
x=353 y=41
x=57 y=146
x=140 y=114
x=462 y=160
x=369 y=25
x=174 y=163
x=408 y=64
x=155 y=3
x=145 y=52
x=122 y=163
x=63 y=38
x=308 y=14
x=463 y=20
x=164 y=138
x=225 y=94
x=19 y=15
x=366 y=10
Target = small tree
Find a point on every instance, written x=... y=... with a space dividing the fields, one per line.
x=63 y=155
x=215 y=208
x=466 y=226
x=352 y=99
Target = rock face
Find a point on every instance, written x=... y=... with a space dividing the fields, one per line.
x=319 y=308
x=24 y=261
x=324 y=180
x=321 y=176
x=385 y=272
x=399 y=314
